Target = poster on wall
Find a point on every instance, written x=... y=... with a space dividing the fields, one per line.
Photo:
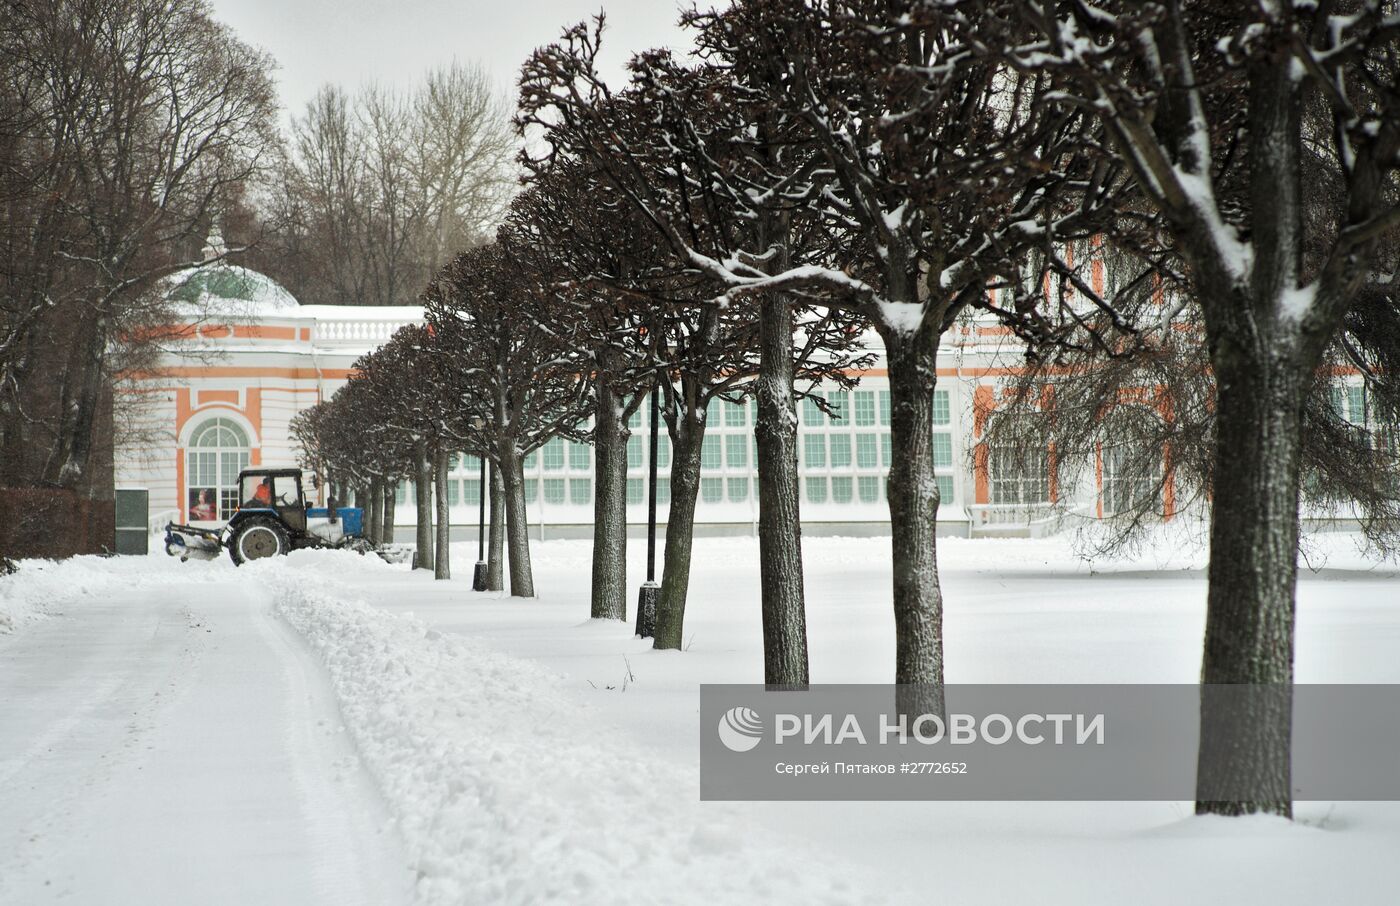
x=204 y=505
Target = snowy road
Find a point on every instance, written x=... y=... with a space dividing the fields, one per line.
x=172 y=734
x=173 y=742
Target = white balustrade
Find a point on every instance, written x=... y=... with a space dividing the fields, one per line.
x=376 y=331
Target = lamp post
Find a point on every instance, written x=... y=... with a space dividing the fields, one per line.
x=646 y=597
x=479 y=574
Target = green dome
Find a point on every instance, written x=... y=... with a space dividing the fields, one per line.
x=227 y=285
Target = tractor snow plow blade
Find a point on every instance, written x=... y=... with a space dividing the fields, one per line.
x=191 y=543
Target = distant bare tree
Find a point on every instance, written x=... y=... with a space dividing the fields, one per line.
x=382 y=188
x=126 y=122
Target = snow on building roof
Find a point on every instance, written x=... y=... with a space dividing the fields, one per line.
x=219 y=288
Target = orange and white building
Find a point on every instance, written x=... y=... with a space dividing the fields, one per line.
x=224 y=397
x=252 y=358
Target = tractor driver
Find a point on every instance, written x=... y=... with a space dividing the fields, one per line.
x=262 y=497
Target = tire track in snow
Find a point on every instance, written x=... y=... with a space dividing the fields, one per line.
x=357 y=857
x=178 y=745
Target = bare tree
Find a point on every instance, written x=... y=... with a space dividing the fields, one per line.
x=381 y=188
x=651 y=324
x=885 y=171
x=136 y=118
x=461 y=149
x=497 y=361
x=1206 y=107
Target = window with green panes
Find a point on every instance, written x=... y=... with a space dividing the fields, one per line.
x=403 y=493
x=738 y=490
x=634 y=420
x=580 y=456
x=580 y=491
x=736 y=451
x=471 y=464
x=885 y=450
x=945 y=488
x=663 y=451
x=454 y=492
x=710 y=452
x=812 y=415
x=531 y=459
x=1338 y=395
x=1350 y=404
x=736 y=415
x=552 y=453
x=869 y=488
x=942 y=450
x=840 y=407
x=634 y=452
x=554 y=490
x=867 y=451
x=840 y=451
x=663 y=491
x=816 y=490
x=841 y=489
x=814 y=451
x=532 y=490
x=864 y=408
x=471 y=491
x=636 y=491
x=712 y=490
x=884 y=407
x=942 y=413
x=712 y=416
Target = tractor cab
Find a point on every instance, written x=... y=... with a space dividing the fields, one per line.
x=278 y=490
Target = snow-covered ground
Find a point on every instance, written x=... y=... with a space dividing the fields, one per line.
x=329 y=728
x=165 y=739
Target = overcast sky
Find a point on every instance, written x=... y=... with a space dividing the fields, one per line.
x=352 y=41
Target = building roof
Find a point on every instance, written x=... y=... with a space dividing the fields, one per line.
x=219 y=288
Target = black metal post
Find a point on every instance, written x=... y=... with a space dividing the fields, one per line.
x=646 y=598
x=479 y=574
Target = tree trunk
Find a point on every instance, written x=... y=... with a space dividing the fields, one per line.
x=386 y=536
x=496 y=539
x=442 y=562
x=68 y=461
x=374 y=511
x=680 y=532
x=913 y=500
x=522 y=581
x=1250 y=603
x=423 y=500
x=779 y=525
x=609 y=507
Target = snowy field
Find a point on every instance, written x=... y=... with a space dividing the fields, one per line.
x=331 y=729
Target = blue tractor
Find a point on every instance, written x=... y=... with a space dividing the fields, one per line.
x=272 y=519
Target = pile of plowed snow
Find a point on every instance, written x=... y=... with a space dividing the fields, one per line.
x=509 y=790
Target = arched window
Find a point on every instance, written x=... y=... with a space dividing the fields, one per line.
x=218 y=452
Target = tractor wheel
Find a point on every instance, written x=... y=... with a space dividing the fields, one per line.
x=259 y=538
